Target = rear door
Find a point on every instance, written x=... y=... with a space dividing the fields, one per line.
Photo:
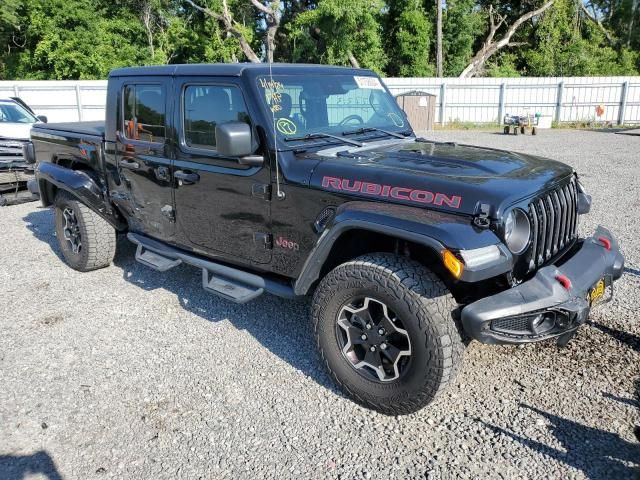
x=143 y=156
x=222 y=207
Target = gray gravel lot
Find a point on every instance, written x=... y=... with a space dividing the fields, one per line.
x=127 y=373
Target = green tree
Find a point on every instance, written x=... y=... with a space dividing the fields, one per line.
x=9 y=20
x=340 y=33
x=74 y=40
x=407 y=35
x=566 y=45
x=463 y=26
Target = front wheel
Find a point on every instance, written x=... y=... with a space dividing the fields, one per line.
x=87 y=241
x=384 y=327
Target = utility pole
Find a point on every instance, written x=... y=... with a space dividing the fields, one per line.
x=439 y=39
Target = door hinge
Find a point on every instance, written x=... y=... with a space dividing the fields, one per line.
x=263 y=240
x=261 y=190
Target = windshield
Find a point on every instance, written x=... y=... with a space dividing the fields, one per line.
x=13 y=113
x=334 y=104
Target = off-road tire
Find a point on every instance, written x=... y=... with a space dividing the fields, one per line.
x=97 y=236
x=424 y=304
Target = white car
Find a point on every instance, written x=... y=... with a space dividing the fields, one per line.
x=16 y=119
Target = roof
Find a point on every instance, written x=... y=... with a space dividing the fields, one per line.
x=236 y=69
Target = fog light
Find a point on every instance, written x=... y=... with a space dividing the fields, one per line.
x=562 y=321
x=543 y=322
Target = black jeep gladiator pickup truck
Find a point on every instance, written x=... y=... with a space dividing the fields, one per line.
x=308 y=180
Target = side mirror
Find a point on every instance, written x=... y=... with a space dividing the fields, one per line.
x=42 y=118
x=234 y=139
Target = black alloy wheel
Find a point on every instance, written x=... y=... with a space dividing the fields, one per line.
x=373 y=339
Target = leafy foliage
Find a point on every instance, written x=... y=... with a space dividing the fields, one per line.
x=335 y=30
x=568 y=46
x=85 y=39
x=408 y=32
x=463 y=25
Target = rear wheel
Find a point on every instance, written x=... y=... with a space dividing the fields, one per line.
x=505 y=130
x=384 y=328
x=87 y=241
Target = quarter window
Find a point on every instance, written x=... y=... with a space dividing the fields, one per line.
x=205 y=106
x=144 y=113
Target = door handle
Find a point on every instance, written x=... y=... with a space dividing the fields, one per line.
x=185 y=178
x=129 y=164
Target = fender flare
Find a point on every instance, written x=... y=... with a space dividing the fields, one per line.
x=432 y=229
x=79 y=184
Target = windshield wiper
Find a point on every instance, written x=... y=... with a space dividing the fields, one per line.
x=374 y=129
x=313 y=136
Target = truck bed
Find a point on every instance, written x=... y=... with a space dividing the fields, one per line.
x=95 y=128
x=83 y=143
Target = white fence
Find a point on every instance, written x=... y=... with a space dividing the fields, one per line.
x=476 y=100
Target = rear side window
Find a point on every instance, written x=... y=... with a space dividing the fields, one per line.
x=144 y=113
x=205 y=106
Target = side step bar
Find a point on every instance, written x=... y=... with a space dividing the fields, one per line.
x=227 y=282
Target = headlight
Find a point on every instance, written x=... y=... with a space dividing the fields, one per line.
x=517 y=231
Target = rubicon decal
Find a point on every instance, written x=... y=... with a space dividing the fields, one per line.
x=389 y=191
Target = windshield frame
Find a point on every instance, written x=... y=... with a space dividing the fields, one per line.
x=284 y=145
x=21 y=109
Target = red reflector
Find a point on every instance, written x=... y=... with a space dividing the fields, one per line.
x=564 y=281
x=606 y=243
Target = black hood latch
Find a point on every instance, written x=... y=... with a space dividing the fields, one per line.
x=481 y=217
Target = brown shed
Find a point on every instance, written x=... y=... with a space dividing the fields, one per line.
x=420 y=108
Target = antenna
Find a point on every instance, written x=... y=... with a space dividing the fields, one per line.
x=279 y=193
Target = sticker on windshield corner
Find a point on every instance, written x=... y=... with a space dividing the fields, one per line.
x=369 y=82
x=395 y=118
x=286 y=126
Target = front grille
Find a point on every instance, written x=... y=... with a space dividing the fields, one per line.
x=11 y=151
x=554 y=224
x=515 y=325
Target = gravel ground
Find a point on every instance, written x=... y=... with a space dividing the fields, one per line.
x=126 y=373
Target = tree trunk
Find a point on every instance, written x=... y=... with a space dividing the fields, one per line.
x=490 y=46
x=272 y=19
x=439 y=39
x=353 y=60
x=228 y=25
x=634 y=6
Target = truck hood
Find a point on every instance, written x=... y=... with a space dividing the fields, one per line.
x=15 y=131
x=444 y=176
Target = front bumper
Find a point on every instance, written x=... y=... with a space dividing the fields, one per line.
x=542 y=307
x=14 y=183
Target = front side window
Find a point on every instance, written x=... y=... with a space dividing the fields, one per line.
x=205 y=106
x=144 y=113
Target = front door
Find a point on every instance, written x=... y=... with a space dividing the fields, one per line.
x=143 y=158
x=222 y=207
